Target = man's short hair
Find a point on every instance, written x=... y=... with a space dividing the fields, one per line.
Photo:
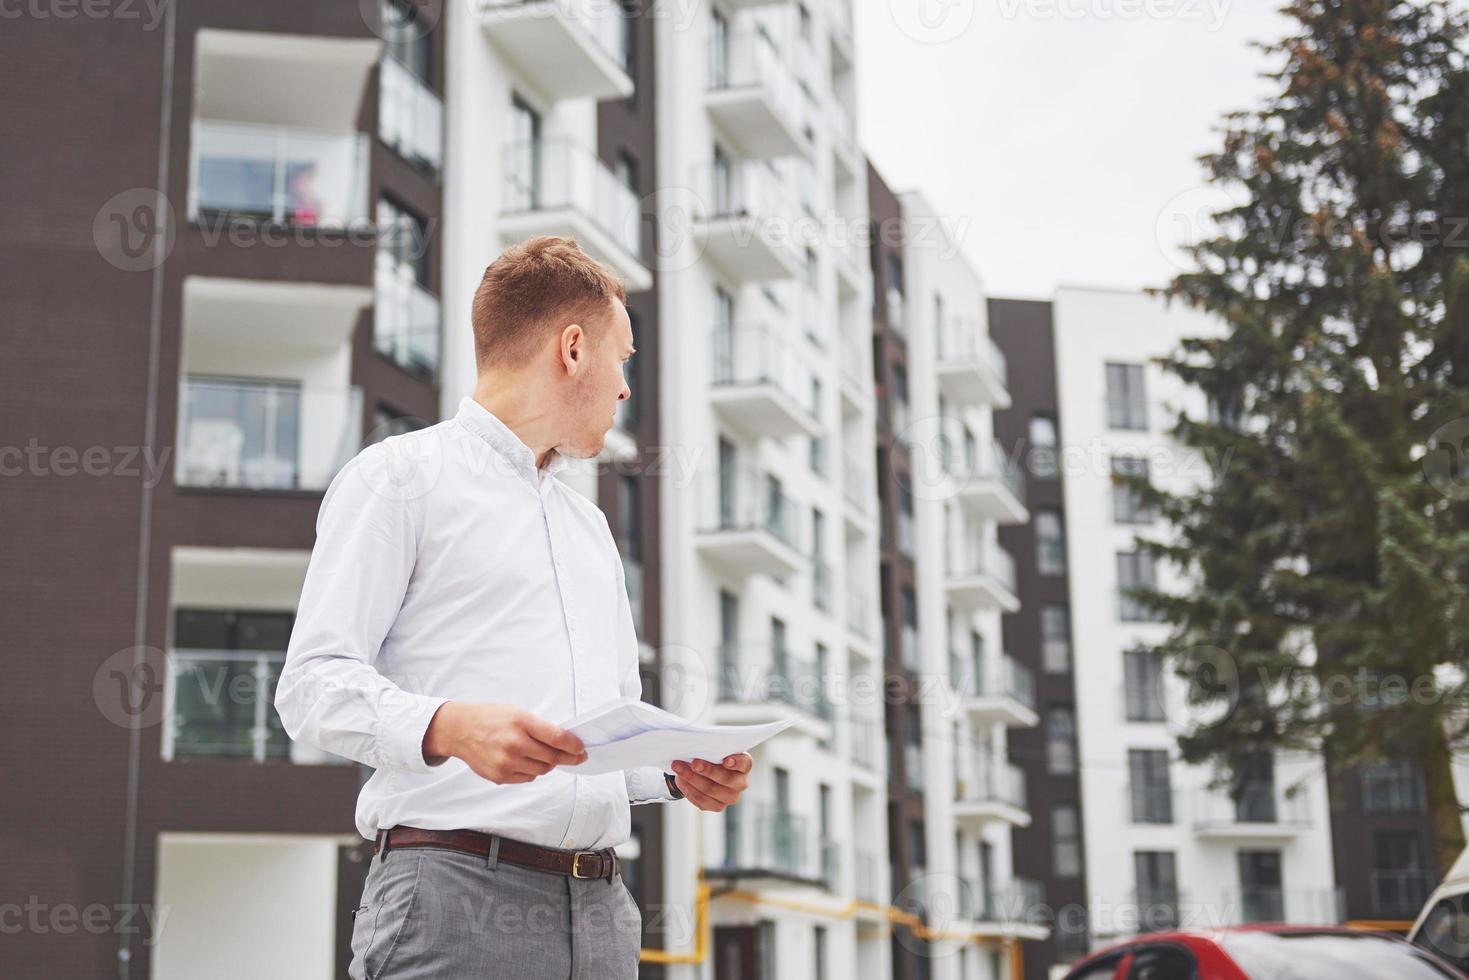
x=532 y=289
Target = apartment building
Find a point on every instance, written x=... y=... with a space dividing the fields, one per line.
x=955 y=693
x=1051 y=850
x=768 y=517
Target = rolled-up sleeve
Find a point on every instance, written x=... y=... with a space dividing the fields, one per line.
x=646 y=784
x=331 y=693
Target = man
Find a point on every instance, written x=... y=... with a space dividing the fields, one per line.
x=460 y=601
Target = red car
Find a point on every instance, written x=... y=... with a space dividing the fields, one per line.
x=1265 y=953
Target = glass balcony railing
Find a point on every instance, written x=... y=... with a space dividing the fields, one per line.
x=557 y=174
x=746 y=189
x=1005 y=677
x=750 y=60
x=961 y=340
x=754 y=354
x=264 y=435
x=407 y=318
x=975 y=558
x=603 y=22
x=769 y=839
x=410 y=116
x=987 y=782
x=750 y=675
x=748 y=500
x=221 y=705
x=280 y=175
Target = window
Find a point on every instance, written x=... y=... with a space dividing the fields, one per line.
x=1157 y=889
x=1143 y=673
x=729 y=645
x=625 y=169
x=1127 y=406
x=1399 y=877
x=1065 y=841
x=408 y=42
x=727 y=477
x=820 y=570
x=1256 y=802
x=1056 y=639
x=406 y=314
x=222 y=675
x=628 y=41
x=1050 y=543
x=629 y=512
x=905 y=520
x=1152 y=790
x=818 y=946
x=1261 y=899
x=1044 y=464
x=410 y=113
x=523 y=184
x=388 y=422
x=909 y=628
x=895 y=300
x=779 y=655
x=1134 y=571
x=1163 y=963
x=1393 y=786
x=1104 y=969
x=1061 y=741
x=900 y=412
x=1127 y=505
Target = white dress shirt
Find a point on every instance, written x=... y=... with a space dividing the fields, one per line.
x=448 y=567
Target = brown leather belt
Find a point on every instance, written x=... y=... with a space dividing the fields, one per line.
x=578 y=864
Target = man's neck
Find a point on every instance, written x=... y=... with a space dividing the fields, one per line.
x=507 y=399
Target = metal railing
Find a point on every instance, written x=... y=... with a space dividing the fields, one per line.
x=407 y=318
x=740 y=188
x=989 y=782
x=754 y=354
x=277 y=174
x=220 y=705
x=769 y=839
x=556 y=174
x=264 y=435
x=1400 y=894
x=748 y=500
x=1256 y=805
x=1005 y=677
x=749 y=59
x=975 y=558
x=410 y=116
x=777 y=678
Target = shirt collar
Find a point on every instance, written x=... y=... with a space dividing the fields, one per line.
x=501 y=438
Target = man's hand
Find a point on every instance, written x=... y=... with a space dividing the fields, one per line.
x=500 y=742
x=713 y=786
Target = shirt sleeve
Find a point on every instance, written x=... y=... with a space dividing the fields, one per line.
x=331 y=693
x=646 y=784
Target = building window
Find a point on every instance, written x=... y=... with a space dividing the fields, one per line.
x=387 y=422
x=895 y=300
x=1261 y=899
x=1050 y=543
x=1394 y=786
x=1134 y=571
x=410 y=113
x=818 y=946
x=1044 y=464
x=1127 y=504
x=1151 y=788
x=1143 y=692
x=901 y=415
x=1127 y=405
x=524 y=180
x=222 y=675
x=629 y=522
x=1401 y=881
x=1061 y=741
x=1065 y=841
x=905 y=520
x=1156 y=875
x=1256 y=800
x=1056 y=639
x=820 y=570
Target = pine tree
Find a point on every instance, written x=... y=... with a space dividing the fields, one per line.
x=1329 y=557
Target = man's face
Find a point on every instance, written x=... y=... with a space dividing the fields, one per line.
x=601 y=383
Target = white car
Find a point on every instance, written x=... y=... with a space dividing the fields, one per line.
x=1443 y=925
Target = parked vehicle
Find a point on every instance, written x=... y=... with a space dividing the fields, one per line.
x=1266 y=953
x=1443 y=925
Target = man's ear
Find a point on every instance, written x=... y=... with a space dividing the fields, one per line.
x=573 y=346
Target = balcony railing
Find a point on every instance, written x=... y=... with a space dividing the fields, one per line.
x=410 y=116
x=978 y=559
x=1262 y=807
x=755 y=354
x=276 y=174
x=913 y=763
x=749 y=501
x=987 y=782
x=264 y=435
x=602 y=23
x=865 y=736
x=865 y=885
x=560 y=174
x=1005 y=677
x=858 y=610
x=748 y=60
x=407 y=318
x=769 y=839
x=777 y=678
x=1400 y=894
x=221 y=705
x=1151 y=804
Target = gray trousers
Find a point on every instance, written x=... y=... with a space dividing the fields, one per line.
x=430 y=914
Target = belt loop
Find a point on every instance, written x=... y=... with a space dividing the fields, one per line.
x=493 y=860
x=611 y=864
x=382 y=844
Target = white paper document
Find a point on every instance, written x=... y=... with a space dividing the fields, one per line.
x=629 y=733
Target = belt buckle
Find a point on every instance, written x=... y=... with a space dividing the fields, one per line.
x=576 y=863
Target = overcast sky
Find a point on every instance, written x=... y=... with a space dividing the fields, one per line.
x=1066 y=131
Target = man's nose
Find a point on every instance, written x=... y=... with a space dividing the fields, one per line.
x=625 y=394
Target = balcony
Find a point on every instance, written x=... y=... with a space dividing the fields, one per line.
x=762 y=386
x=745 y=224
x=239 y=434
x=767 y=842
x=971 y=368
x=866 y=734
x=758 y=684
x=276 y=175
x=853 y=271
x=982 y=579
x=857 y=384
x=866 y=887
x=558 y=187
x=566 y=49
x=847 y=156
x=994 y=489
x=750 y=526
x=753 y=96
x=219 y=706
x=1003 y=693
x=843 y=47
x=407 y=319
x=1005 y=911
x=1259 y=815
x=410 y=117
x=986 y=793
x=1400 y=893
x=295 y=81
x=859 y=612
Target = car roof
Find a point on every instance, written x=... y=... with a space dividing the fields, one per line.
x=1213 y=937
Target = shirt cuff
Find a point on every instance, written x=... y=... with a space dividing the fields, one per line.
x=405 y=722
x=646 y=784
